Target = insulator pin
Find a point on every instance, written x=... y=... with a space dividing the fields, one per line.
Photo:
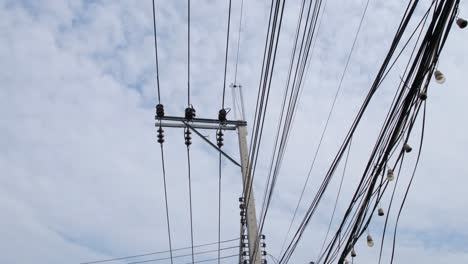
x=190 y=113
x=159 y=110
x=222 y=115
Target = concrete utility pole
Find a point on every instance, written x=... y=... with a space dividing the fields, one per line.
x=196 y=124
x=252 y=228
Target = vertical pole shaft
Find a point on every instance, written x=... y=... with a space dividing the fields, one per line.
x=252 y=229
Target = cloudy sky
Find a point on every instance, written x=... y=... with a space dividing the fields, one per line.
x=80 y=168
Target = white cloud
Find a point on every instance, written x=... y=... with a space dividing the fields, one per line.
x=81 y=175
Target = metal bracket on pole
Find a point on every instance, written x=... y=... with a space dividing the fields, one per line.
x=211 y=144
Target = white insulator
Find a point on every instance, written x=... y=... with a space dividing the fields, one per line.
x=439 y=77
x=370 y=241
x=390 y=175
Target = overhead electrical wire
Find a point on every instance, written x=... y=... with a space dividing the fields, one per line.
x=219 y=206
x=190 y=200
x=292 y=246
x=160 y=131
x=159 y=252
x=227 y=53
x=291 y=95
x=182 y=256
x=188 y=53
x=268 y=65
x=238 y=40
x=402 y=116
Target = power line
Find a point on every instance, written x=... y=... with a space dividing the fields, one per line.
x=326 y=126
x=206 y=260
x=159 y=252
x=219 y=207
x=227 y=52
x=238 y=40
x=188 y=52
x=166 y=202
x=190 y=199
x=156 y=53
x=181 y=256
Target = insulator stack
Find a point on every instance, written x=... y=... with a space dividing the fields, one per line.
x=219 y=138
x=242 y=211
x=262 y=248
x=244 y=249
x=159 y=110
x=190 y=113
x=188 y=137
x=160 y=135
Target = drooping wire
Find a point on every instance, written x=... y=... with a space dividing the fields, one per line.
x=182 y=256
x=337 y=198
x=328 y=119
x=227 y=53
x=159 y=252
x=212 y=259
x=238 y=40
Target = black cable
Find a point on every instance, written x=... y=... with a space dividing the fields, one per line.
x=227 y=52
x=188 y=53
x=238 y=40
x=219 y=207
x=166 y=202
x=190 y=200
x=158 y=252
x=181 y=256
x=206 y=260
x=326 y=124
x=410 y=182
x=156 y=53
x=337 y=198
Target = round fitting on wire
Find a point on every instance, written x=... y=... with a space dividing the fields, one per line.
x=423 y=96
x=241 y=199
x=462 y=23
x=353 y=253
x=262 y=236
x=390 y=175
x=190 y=113
x=407 y=148
x=222 y=115
x=380 y=212
x=439 y=77
x=159 y=110
x=370 y=241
